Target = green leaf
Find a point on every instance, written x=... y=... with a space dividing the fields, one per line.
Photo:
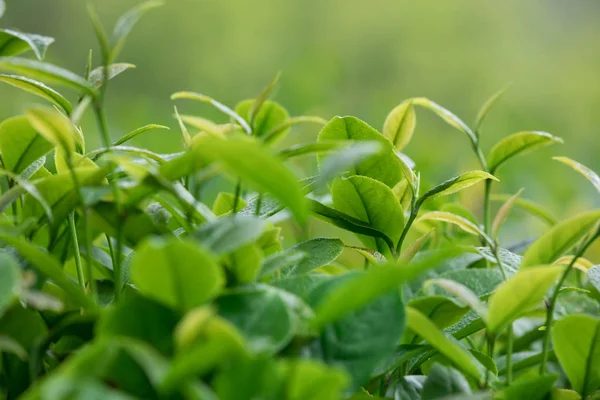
x=439 y=309
x=185 y=134
x=445 y=344
x=518 y=143
x=531 y=388
x=44 y=71
x=227 y=234
x=444 y=381
x=38 y=89
x=457 y=183
x=307 y=379
x=48 y=266
x=137 y=132
x=520 y=294
x=371 y=202
x=384 y=167
x=461 y=292
x=483 y=112
x=560 y=238
x=278 y=131
x=281 y=261
x=141 y=318
x=10 y=280
x=564 y=394
x=360 y=288
x=13 y=43
x=264 y=119
x=582 y=169
x=176 y=273
x=319 y=252
x=481 y=281
x=245 y=263
x=454 y=219
x=312 y=148
x=20 y=144
x=363 y=338
x=253 y=163
x=446 y=115
x=54 y=127
x=97 y=75
x=576 y=340
x=529 y=206
x=343 y=160
x=266 y=316
x=2 y=8
x=347 y=222
x=219 y=106
x=400 y=123
x=126 y=23
x=594 y=279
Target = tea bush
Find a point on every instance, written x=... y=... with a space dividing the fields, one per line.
x=118 y=281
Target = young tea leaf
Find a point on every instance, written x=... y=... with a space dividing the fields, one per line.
x=518 y=143
x=503 y=214
x=454 y=219
x=576 y=340
x=462 y=292
x=400 y=123
x=44 y=71
x=137 y=132
x=54 y=127
x=13 y=43
x=446 y=115
x=38 y=89
x=560 y=238
x=126 y=23
x=520 y=294
x=98 y=75
x=457 y=183
x=278 y=131
x=487 y=106
x=270 y=115
x=20 y=144
x=317 y=252
x=529 y=206
x=582 y=169
x=10 y=281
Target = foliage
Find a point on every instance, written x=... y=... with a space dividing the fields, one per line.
x=118 y=280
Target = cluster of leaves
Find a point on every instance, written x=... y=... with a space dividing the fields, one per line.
x=117 y=281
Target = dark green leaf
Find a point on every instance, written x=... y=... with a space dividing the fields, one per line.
x=444 y=381
x=10 y=280
x=318 y=253
x=531 y=388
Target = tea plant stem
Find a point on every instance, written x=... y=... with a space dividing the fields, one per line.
x=77 y=255
x=238 y=193
x=553 y=299
x=487 y=212
x=509 y=350
x=414 y=210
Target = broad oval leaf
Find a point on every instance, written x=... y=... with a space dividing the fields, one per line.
x=518 y=143
x=445 y=381
x=13 y=43
x=371 y=202
x=400 y=123
x=20 y=144
x=318 y=252
x=384 y=167
x=520 y=294
x=560 y=238
x=266 y=316
x=253 y=163
x=39 y=89
x=457 y=183
x=576 y=340
x=44 y=71
x=589 y=174
x=176 y=273
x=445 y=344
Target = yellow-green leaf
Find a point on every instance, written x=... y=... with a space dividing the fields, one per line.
x=559 y=239
x=457 y=183
x=20 y=144
x=519 y=294
x=54 y=127
x=582 y=169
x=39 y=89
x=400 y=123
x=518 y=143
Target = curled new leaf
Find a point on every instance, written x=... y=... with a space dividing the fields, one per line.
x=518 y=143
x=558 y=240
x=528 y=206
x=446 y=115
x=39 y=89
x=97 y=75
x=454 y=219
x=503 y=214
x=400 y=123
x=483 y=112
x=582 y=169
x=125 y=24
x=137 y=132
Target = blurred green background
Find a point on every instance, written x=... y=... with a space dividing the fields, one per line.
x=341 y=57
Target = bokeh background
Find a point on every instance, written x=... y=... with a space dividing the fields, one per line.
x=341 y=57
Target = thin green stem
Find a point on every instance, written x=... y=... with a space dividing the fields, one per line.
x=76 y=253
x=487 y=212
x=553 y=299
x=258 y=205
x=88 y=252
x=509 y=351
x=414 y=211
